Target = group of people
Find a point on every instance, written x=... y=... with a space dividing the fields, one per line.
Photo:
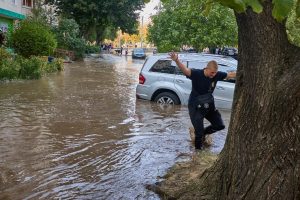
x=109 y=47
x=201 y=101
x=120 y=52
x=106 y=47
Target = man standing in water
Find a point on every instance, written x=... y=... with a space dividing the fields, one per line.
x=201 y=102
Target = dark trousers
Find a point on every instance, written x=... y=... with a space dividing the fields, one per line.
x=197 y=116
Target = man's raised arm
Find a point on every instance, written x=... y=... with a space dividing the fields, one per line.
x=182 y=67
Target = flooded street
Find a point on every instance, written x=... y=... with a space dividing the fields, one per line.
x=81 y=134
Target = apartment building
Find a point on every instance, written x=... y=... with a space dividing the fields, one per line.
x=11 y=11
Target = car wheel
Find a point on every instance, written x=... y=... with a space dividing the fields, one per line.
x=167 y=98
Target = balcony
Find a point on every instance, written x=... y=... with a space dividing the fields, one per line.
x=27 y=5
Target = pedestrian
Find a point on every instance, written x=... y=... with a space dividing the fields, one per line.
x=201 y=101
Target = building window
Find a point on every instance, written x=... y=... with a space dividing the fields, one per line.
x=27 y=3
x=14 y=2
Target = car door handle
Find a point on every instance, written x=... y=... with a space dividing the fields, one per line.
x=179 y=81
x=220 y=88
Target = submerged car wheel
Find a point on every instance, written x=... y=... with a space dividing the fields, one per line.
x=167 y=98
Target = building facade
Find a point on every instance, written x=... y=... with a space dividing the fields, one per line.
x=12 y=11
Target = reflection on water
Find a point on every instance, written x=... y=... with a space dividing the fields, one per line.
x=82 y=134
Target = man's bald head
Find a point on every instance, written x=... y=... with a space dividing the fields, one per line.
x=212 y=65
x=211 y=69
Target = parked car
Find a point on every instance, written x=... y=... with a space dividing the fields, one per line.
x=230 y=51
x=161 y=81
x=138 y=53
x=192 y=50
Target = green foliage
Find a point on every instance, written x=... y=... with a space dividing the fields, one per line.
x=183 y=23
x=237 y=5
x=9 y=69
x=255 y=4
x=68 y=36
x=298 y=9
x=166 y=46
x=4 y=54
x=281 y=8
x=56 y=65
x=32 y=68
x=33 y=39
x=92 y=49
x=94 y=16
x=293 y=28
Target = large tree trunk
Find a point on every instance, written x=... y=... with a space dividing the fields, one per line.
x=261 y=156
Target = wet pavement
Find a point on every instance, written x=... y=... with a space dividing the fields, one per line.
x=81 y=134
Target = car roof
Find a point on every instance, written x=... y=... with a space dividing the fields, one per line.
x=220 y=59
x=139 y=49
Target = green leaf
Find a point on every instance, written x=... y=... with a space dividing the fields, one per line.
x=207 y=9
x=237 y=5
x=282 y=8
x=255 y=4
x=298 y=9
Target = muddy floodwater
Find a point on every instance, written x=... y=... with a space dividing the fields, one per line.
x=81 y=134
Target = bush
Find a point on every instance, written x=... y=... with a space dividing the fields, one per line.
x=31 y=68
x=9 y=69
x=33 y=38
x=92 y=49
x=4 y=54
x=68 y=37
x=56 y=65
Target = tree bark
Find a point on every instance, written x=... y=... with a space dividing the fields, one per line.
x=261 y=156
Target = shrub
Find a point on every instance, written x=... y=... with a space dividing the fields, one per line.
x=92 y=49
x=31 y=68
x=9 y=69
x=68 y=36
x=59 y=63
x=56 y=65
x=33 y=38
x=4 y=54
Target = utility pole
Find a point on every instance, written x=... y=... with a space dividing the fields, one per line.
x=142 y=31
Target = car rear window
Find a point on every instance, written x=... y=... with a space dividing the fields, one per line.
x=163 y=66
x=138 y=50
x=196 y=64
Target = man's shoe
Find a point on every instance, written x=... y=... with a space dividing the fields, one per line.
x=207 y=142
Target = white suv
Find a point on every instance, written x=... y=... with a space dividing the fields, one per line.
x=161 y=81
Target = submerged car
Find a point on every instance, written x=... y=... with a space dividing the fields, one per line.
x=161 y=81
x=138 y=53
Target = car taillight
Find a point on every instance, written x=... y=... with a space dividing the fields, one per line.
x=142 y=79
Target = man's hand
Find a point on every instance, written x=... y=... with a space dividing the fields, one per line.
x=231 y=75
x=173 y=56
x=182 y=67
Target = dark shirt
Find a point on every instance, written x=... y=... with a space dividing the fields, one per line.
x=202 y=84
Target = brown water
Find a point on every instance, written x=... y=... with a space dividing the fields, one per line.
x=81 y=134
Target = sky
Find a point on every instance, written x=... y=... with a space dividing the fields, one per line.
x=149 y=10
